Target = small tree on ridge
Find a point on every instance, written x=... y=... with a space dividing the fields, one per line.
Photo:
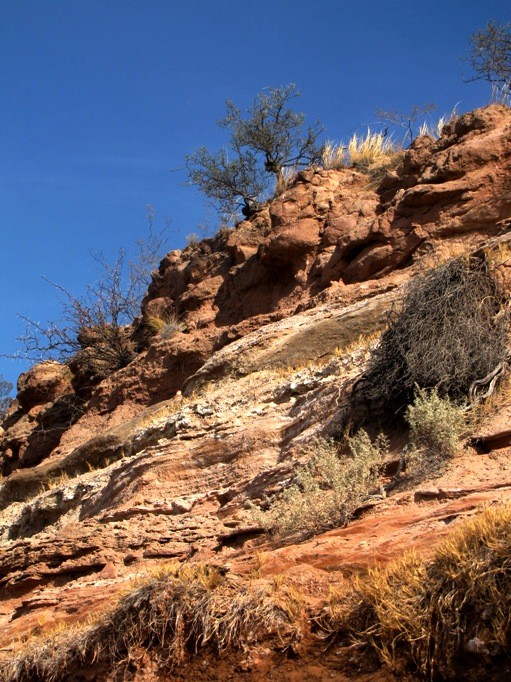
x=270 y=138
x=490 y=55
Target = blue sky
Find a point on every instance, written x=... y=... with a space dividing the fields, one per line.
x=102 y=100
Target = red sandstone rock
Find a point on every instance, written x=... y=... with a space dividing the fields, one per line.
x=164 y=458
x=44 y=383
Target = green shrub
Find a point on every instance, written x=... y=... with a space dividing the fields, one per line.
x=436 y=425
x=264 y=141
x=328 y=489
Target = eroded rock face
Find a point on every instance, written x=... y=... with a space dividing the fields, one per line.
x=455 y=186
x=333 y=226
x=163 y=459
x=46 y=406
x=44 y=383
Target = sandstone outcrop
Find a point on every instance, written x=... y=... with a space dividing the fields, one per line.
x=276 y=321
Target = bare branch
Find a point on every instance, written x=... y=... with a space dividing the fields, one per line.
x=405 y=120
x=490 y=55
x=94 y=329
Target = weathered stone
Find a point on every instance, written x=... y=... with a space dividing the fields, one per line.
x=43 y=384
x=167 y=455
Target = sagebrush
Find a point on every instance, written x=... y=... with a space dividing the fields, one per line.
x=327 y=491
x=436 y=426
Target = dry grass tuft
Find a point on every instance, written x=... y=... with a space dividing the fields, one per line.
x=424 y=616
x=373 y=152
x=285 y=179
x=177 y=612
x=435 y=130
x=363 y=342
x=166 y=324
x=333 y=156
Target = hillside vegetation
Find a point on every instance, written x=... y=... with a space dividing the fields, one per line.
x=303 y=468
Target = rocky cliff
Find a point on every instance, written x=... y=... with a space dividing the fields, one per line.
x=273 y=321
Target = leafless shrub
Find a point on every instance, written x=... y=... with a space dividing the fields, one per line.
x=450 y=331
x=405 y=121
x=93 y=330
x=490 y=56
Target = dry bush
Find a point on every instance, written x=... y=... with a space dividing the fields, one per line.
x=451 y=330
x=490 y=57
x=399 y=120
x=328 y=489
x=94 y=333
x=174 y=613
x=436 y=426
x=425 y=616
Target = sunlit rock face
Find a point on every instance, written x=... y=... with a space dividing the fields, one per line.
x=275 y=322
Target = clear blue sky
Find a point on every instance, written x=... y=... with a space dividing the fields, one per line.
x=102 y=99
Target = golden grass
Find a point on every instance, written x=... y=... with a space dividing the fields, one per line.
x=442 y=254
x=483 y=409
x=176 y=612
x=363 y=342
x=500 y=254
x=285 y=372
x=166 y=324
x=333 y=156
x=435 y=130
x=285 y=179
x=57 y=481
x=421 y=616
x=372 y=152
